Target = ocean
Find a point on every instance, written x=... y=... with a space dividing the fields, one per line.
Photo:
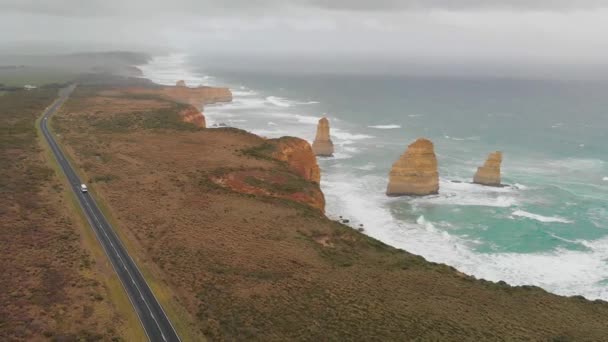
x=548 y=228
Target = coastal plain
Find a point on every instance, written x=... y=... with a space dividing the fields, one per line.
x=267 y=265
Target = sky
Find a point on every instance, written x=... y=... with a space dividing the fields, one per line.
x=541 y=38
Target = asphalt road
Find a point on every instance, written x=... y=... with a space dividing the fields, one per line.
x=153 y=318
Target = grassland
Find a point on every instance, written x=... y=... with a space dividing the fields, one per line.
x=252 y=267
x=36 y=76
x=52 y=285
x=56 y=285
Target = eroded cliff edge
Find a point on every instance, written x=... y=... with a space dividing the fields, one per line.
x=269 y=268
x=295 y=177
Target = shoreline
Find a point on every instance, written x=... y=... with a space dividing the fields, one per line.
x=497 y=266
x=236 y=271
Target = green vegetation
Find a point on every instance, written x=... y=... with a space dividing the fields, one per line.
x=45 y=270
x=99 y=127
x=261 y=151
x=280 y=182
x=239 y=266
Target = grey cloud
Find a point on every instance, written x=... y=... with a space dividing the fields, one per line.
x=377 y=5
x=463 y=36
x=100 y=8
x=94 y=8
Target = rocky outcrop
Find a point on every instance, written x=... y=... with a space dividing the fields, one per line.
x=194 y=116
x=198 y=97
x=489 y=173
x=273 y=183
x=323 y=146
x=298 y=154
x=415 y=173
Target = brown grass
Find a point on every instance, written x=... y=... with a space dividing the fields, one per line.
x=253 y=267
x=53 y=286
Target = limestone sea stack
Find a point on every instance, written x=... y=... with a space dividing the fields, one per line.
x=415 y=173
x=323 y=146
x=489 y=173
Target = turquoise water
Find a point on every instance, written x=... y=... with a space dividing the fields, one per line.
x=549 y=227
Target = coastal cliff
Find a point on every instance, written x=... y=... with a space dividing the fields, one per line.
x=489 y=173
x=298 y=154
x=238 y=263
x=199 y=96
x=415 y=172
x=193 y=116
x=273 y=183
x=323 y=146
x=181 y=93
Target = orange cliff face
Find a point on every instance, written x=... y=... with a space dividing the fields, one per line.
x=300 y=183
x=278 y=184
x=299 y=156
x=197 y=97
x=193 y=116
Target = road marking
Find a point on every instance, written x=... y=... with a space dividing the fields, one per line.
x=97 y=224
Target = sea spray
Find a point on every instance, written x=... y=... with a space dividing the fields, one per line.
x=491 y=233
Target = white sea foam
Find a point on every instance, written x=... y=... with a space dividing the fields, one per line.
x=468 y=194
x=305 y=119
x=361 y=199
x=564 y=239
x=167 y=70
x=344 y=135
x=385 y=126
x=271 y=133
x=350 y=149
x=540 y=218
x=340 y=155
x=244 y=93
x=278 y=101
x=605 y=179
x=366 y=167
x=559 y=166
x=286 y=103
x=475 y=138
x=520 y=186
x=561 y=271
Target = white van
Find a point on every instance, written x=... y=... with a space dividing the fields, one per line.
x=83 y=188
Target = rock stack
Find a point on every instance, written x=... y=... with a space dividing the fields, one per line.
x=489 y=173
x=323 y=146
x=415 y=173
x=180 y=83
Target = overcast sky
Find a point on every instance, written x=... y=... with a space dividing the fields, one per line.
x=546 y=36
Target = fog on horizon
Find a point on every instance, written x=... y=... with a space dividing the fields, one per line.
x=515 y=38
